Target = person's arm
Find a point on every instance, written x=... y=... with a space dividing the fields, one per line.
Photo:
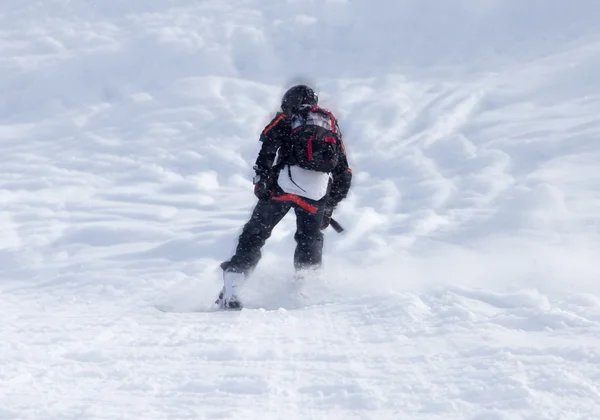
x=271 y=139
x=342 y=179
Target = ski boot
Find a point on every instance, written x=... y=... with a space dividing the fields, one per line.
x=301 y=278
x=231 y=304
x=228 y=299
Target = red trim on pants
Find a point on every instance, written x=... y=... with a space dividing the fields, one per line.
x=298 y=201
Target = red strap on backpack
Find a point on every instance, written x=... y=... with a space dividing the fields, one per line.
x=315 y=108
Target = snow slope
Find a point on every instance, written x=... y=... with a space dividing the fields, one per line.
x=466 y=286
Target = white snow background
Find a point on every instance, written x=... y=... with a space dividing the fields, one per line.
x=467 y=284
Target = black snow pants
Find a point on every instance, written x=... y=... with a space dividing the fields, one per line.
x=266 y=215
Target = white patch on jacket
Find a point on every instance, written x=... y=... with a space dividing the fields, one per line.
x=303 y=182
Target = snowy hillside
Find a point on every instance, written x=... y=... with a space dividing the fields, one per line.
x=466 y=286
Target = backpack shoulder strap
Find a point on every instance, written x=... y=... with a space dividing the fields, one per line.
x=328 y=114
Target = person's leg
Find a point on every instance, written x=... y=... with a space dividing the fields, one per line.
x=266 y=215
x=309 y=239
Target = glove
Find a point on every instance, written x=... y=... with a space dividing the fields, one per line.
x=261 y=187
x=326 y=217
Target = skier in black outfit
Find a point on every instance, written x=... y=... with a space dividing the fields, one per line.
x=310 y=183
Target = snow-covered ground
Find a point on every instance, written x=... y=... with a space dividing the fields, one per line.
x=467 y=285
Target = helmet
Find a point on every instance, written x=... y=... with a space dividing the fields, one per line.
x=296 y=96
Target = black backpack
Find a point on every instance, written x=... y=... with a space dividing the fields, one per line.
x=315 y=139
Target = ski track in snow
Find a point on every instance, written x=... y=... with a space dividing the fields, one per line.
x=465 y=286
x=411 y=355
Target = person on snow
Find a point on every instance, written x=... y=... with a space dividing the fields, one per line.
x=302 y=165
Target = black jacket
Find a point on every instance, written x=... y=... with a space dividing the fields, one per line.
x=276 y=136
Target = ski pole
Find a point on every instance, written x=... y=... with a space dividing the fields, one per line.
x=336 y=226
